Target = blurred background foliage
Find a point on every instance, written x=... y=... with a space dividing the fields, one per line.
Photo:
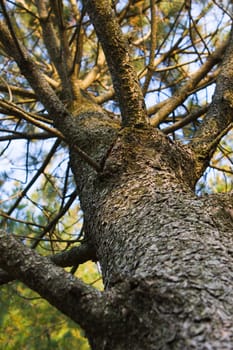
x=28 y=322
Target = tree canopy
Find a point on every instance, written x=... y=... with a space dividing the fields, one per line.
x=147 y=72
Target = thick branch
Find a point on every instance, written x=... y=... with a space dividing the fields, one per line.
x=116 y=51
x=218 y=120
x=72 y=257
x=68 y=294
x=34 y=76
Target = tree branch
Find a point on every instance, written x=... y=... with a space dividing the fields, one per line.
x=219 y=118
x=25 y=136
x=56 y=46
x=80 y=302
x=18 y=91
x=35 y=177
x=34 y=76
x=55 y=220
x=17 y=45
x=169 y=105
x=13 y=109
x=72 y=257
x=190 y=117
x=153 y=42
x=75 y=256
x=115 y=47
x=94 y=73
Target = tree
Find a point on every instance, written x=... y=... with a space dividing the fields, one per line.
x=165 y=253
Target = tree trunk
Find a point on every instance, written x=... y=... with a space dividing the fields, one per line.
x=164 y=252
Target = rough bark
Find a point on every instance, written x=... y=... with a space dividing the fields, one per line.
x=169 y=247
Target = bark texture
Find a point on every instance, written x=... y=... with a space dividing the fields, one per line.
x=163 y=248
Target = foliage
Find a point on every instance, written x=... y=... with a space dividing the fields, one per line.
x=29 y=322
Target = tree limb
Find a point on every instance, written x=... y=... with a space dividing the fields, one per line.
x=13 y=109
x=115 y=47
x=182 y=93
x=17 y=45
x=17 y=91
x=25 y=136
x=55 y=220
x=72 y=257
x=153 y=42
x=190 y=117
x=32 y=73
x=219 y=118
x=80 y=302
x=75 y=256
x=56 y=46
